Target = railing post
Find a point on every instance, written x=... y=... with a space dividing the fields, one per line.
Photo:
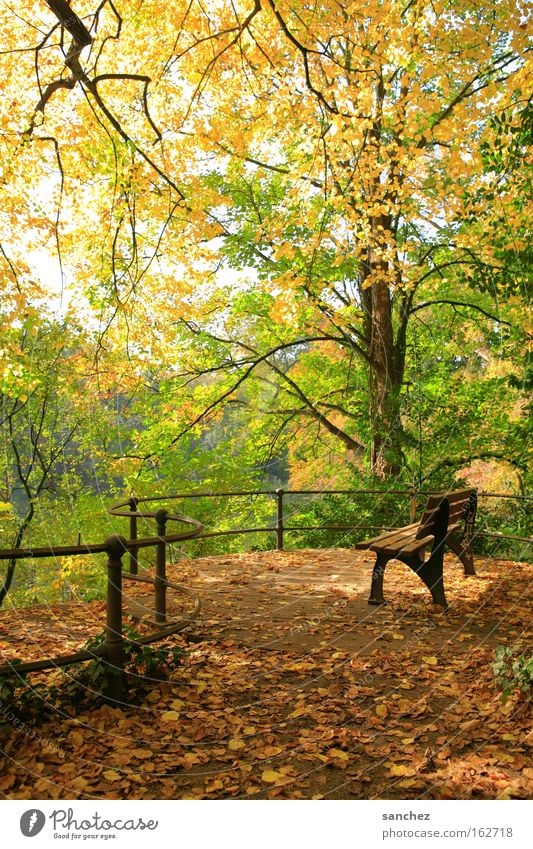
x=279 y=520
x=160 y=588
x=412 y=505
x=114 y=641
x=134 y=563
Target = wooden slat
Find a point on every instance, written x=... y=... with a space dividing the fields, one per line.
x=368 y=542
x=394 y=545
x=458 y=503
x=459 y=495
x=395 y=538
x=428 y=517
x=458 y=510
x=415 y=546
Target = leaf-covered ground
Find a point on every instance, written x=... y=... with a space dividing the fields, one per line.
x=292 y=688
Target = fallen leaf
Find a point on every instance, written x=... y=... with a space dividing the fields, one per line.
x=339 y=754
x=298 y=712
x=400 y=769
x=170 y=716
x=270 y=776
x=76 y=738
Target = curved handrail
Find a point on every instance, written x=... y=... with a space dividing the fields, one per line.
x=116 y=547
x=85 y=655
x=102 y=547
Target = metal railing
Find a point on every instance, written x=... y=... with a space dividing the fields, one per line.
x=279 y=526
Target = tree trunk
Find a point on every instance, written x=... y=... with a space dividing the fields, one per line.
x=12 y=564
x=384 y=385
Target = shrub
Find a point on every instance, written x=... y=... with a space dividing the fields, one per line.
x=513 y=672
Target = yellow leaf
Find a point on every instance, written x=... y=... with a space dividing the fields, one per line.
x=399 y=769
x=407 y=783
x=112 y=775
x=270 y=776
x=382 y=711
x=236 y=745
x=507 y=793
x=177 y=704
x=170 y=716
x=431 y=661
x=298 y=712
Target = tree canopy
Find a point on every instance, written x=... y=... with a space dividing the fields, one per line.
x=293 y=234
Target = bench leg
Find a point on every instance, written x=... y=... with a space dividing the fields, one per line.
x=376 y=589
x=463 y=551
x=430 y=573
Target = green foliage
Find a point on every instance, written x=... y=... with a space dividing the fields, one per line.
x=513 y=673
x=142 y=664
x=365 y=513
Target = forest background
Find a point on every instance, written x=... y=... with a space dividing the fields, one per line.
x=250 y=244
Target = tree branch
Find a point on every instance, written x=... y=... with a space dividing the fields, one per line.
x=459 y=304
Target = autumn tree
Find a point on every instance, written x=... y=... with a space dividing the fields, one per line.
x=55 y=427
x=326 y=156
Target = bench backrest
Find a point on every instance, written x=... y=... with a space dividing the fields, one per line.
x=462 y=507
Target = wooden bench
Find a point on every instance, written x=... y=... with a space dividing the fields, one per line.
x=448 y=520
